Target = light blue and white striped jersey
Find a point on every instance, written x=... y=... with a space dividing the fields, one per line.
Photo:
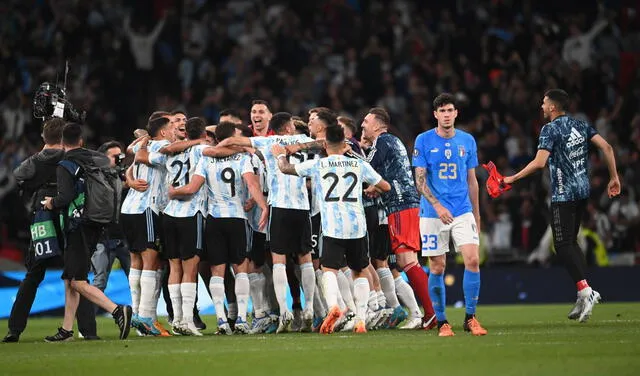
x=156 y=196
x=338 y=182
x=180 y=169
x=225 y=186
x=255 y=213
x=285 y=191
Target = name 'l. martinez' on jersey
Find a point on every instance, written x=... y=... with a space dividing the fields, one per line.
x=285 y=191
x=338 y=180
x=567 y=139
x=180 y=170
x=447 y=161
x=255 y=213
x=156 y=196
x=389 y=158
x=226 y=189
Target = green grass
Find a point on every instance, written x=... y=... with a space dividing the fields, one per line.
x=522 y=340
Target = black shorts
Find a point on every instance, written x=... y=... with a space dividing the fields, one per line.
x=226 y=240
x=258 y=248
x=290 y=231
x=378 y=238
x=80 y=245
x=565 y=221
x=142 y=230
x=183 y=237
x=335 y=251
x=315 y=237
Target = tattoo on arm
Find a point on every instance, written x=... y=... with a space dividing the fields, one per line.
x=286 y=167
x=312 y=146
x=423 y=188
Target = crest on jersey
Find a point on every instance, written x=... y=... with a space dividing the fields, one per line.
x=461 y=151
x=447 y=153
x=415 y=152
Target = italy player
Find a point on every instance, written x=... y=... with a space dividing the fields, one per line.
x=445 y=159
x=338 y=180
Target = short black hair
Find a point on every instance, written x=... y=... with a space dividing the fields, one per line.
x=175 y=112
x=72 y=134
x=195 y=127
x=559 y=97
x=279 y=120
x=328 y=117
x=381 y=115
x=52 y=131
x=110 y=144
x=245 y=130
x=261 y=101
x=318 y=109
x=224 y=130
x=443 y=100
x=335 y=134
x=156 y=125
x=230 y=112
x=158 y=114
x=349 y=123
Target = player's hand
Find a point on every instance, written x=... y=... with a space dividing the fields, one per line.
x=278 y=149
x=443 y=213
x=508 y=180
x=48 y=203
x=264 y=218
x=346 y=148
x=613 y=188
x=290 y=149
x=371 y=191
x=249 y=204
x=139 y=185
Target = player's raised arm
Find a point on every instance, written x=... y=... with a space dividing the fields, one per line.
x=474 y=189
x=179 y=146
x=220 y=151
x=236 y=141
x=283 y=164
x=194 y=185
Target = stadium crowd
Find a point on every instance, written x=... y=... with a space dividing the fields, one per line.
x=496 y=57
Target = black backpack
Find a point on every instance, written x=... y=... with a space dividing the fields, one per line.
x=98 y=189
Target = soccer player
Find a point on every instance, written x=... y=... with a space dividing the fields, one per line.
x=289 y=226
x=141 y=221
x=260 y=118
x=230 y=115
x=564 y=143
x=337 y=179
x=445 y=159
x=178 y=121
x=389 y=158
x=227 y=179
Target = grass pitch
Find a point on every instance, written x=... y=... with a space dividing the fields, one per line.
x=522 y=340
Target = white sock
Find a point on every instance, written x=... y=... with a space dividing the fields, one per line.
x=584 y=293
x=330 y=287
x=156 y=293
x=280 y=284
x=188 y=290
x=360 y=295
x=405 y=293
x=349 y=275
x=134 y=286
x=148 y=283
x=373 y=300
x=382 y=301
x=319 y=305
x=345 y=291
x=308 y=282
x=176 y=301
x=242 y=296
x=257 y=281
x=216 y=286
x=388 y=287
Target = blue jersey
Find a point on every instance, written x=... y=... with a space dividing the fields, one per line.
x=567 y=139
x=447 y=161
x=389 y=158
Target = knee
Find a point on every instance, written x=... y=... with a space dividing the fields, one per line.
x=437 y=265
x=472 y=263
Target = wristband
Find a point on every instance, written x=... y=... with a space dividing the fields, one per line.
x=281 y=155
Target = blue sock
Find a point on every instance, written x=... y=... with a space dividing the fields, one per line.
x=471 y=288
x=437 y=295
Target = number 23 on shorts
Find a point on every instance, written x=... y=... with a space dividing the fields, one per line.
x=429 y=242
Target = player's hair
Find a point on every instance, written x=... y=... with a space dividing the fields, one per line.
x=261 y=101
x=279 y=120
x=224 y=130
x=245 y=130
x=301 y=126
x=328 y=117
x=381 y=115
x=158 y=114
x=318 y=109
x=349 y=123
x=156 y=125
x=443 y=100
x=231 y=112
x=335 y=134
x=175 y=112
x=195 y=127
x=559 y=97
x=110 y=144
x=52 y=131
x=72 y=134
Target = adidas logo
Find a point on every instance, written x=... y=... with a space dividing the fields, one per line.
x=575 y=138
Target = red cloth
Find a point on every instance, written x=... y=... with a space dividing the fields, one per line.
x=404 y=230
x=420 y=283
x=495 y=183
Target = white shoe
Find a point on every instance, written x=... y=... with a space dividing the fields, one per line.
x=260 y=325
x=574 y=314
x=349 y=325
x=307 y=321
x=176 y=328
x=343 y=321
x=241 y=327
x=296 y=324
x=190 y=329
x=371 y=319
x=284 y=323
x=412 y=323
x=224 y=328
x=588 y=302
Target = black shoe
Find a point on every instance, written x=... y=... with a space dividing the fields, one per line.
x=198 y=321
x=91 y=338
x=62 y=336
x=122 y=317
x=11 y=338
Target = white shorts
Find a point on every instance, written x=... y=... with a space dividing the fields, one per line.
x=435 y=235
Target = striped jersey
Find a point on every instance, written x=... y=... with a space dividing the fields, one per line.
x=338 y=182
x=285 y=191
x=180 y=169
x=225 y=186
x=255 y=213
x=156 y=196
